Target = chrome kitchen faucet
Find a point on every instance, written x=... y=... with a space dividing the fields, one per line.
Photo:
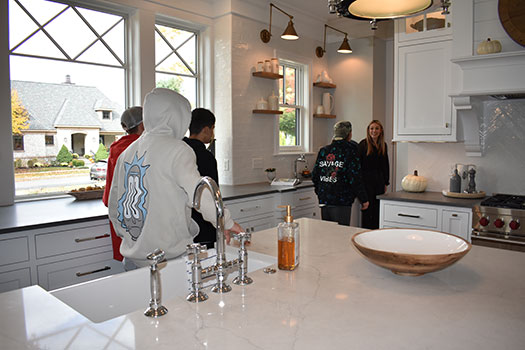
x=222 y=267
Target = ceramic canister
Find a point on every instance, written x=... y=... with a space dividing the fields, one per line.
x=275 y=65
x=260 y=66
x=273 y=102
x=267 y=66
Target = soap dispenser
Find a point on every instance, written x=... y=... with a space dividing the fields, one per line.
x=288 y=242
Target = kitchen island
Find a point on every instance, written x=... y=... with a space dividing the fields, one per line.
x=334 y=300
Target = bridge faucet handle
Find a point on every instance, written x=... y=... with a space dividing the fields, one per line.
x=195 y=249
x=242 y=237
x=157 y=256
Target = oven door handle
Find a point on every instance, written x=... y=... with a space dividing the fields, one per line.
x=487 y=238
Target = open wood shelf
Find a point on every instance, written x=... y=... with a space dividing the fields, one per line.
x=325 y=85
x=267 y=75
x=326 y=116
x=266 y=111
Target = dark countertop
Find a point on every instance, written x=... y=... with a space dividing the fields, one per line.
x=62 y=210
x=430 y=198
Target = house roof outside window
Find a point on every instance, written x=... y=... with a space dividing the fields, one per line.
x=66 y=105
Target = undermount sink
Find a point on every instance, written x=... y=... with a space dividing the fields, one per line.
x=112 y=296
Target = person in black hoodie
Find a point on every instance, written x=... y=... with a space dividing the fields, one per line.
x=202 y=128
x=376 y=171
x=337 y=176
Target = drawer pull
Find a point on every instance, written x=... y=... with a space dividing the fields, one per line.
x=105 y=268
x=250 y=209
x=305 y=198
x=78 y=240
x=455 y=215
x=409 y=216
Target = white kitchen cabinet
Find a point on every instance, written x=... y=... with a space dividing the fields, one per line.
x=57 y=256
x=457 y=221
x=401 y=214
x=304 y=204
x=15 y=279
x=253 y=213
x=422 y=73
x=423 y=27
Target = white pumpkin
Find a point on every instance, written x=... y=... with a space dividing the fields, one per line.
x=414 y=183
x=489 y=46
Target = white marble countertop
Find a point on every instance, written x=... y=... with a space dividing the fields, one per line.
x=334 y=300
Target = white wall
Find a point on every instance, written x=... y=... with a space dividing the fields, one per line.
x=502 y=165
x=253 y=135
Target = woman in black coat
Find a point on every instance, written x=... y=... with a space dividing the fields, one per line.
x=375 y=169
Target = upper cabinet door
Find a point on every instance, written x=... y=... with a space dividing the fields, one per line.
x=425 y=26
x=423 y=108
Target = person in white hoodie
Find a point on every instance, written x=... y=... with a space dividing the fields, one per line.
x=151 y=194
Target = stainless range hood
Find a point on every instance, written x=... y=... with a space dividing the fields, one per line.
x=487 y=77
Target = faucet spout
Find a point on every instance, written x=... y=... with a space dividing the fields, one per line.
x=301 y=158
x=211 y=185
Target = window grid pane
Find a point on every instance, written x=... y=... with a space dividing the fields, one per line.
x=176 y=61
x=65 y=78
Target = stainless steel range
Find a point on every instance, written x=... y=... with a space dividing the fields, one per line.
x=500 y=220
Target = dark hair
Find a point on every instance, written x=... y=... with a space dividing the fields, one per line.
x=201 y=118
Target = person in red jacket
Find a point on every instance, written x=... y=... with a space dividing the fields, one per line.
x=131 y=121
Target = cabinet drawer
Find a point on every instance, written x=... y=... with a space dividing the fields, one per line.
x=404 y=214
x=305 y=199
x=11 y=280
x=73 y=271
x=257 y=224
x=14 y=250
x=251 y=207
x=72 y=240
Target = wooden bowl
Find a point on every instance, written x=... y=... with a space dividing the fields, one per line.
x=411 y=252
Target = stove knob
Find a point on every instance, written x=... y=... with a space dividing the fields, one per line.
x=499 y=223
x=514 y=224
x=484 y=221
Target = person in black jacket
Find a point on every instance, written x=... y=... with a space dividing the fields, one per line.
x=337 y=176
x=202 y=128
x=375 y=169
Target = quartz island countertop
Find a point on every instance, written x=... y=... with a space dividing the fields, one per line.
x=334 y=300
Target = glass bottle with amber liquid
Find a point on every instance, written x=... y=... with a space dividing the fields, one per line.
x=288 y=242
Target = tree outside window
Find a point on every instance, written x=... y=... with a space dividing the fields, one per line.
x=176 y=61
x=289 y=102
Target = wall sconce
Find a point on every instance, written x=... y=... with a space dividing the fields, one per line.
x=344 y=48
x=288 y=34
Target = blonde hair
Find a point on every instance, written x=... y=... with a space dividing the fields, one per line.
x=380 y=139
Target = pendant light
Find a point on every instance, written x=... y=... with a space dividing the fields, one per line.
x=288 y=34
x=384 y=9
x=344 y=48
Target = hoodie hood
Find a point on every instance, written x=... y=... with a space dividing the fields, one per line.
x=166 y=112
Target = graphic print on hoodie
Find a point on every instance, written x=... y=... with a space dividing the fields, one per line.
x=131 y=210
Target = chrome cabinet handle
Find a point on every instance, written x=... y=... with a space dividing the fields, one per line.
x=250 y=209
x=105 y=268
x=78 y=240
x=408 y=215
